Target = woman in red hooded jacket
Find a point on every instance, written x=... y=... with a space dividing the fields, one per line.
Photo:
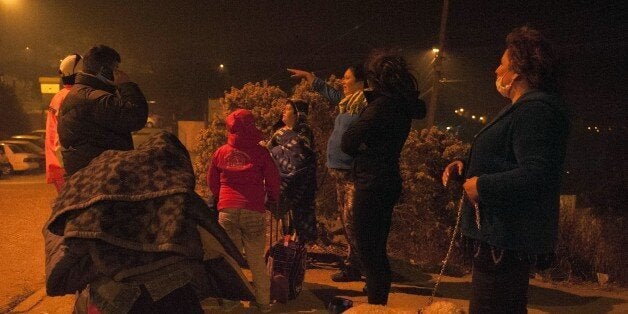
x=243 y=176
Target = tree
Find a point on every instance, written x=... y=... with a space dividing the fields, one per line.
x=13 y=119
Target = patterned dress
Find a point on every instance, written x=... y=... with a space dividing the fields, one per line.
x=293 y=152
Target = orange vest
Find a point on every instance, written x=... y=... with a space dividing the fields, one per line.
x=54 y=166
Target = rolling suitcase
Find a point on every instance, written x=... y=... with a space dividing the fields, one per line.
x=286 y=261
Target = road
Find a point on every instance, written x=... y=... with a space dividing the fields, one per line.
x=24 y=208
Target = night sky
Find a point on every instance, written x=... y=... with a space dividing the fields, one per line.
x=173 y=48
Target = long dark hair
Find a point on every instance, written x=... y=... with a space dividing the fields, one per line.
x=389 y=75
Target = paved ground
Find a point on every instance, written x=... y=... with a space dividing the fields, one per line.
x=25 y=206
x=405 y=298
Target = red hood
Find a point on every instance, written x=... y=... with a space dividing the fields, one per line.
x=242 y=129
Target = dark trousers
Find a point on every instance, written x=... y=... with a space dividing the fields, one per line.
x=372 y=210
x=499 y=285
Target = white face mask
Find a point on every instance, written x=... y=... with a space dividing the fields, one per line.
x=504 y=90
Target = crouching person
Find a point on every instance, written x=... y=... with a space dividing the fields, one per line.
x=242 y=175
x=124 y=230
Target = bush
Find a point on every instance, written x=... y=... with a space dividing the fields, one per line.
x=427 y=210
x=590 y=243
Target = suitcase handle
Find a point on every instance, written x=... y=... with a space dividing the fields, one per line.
x=286 y=228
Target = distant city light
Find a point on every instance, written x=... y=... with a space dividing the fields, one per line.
x=435 y=50
x=448 y=128
x=473 y=117
x=461 y=109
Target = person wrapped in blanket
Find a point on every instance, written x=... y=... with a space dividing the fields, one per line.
x=292 y=148
x=129 y=231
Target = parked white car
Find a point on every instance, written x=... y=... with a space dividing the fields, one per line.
x=20 y=159
x=35 y=139
x=28 y=146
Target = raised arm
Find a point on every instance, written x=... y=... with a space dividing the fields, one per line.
x=333 y=95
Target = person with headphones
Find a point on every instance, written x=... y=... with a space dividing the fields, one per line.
x=100 y=111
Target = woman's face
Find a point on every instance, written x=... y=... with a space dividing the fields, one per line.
x=503 y=70
x=349 y=84
x=289 y=117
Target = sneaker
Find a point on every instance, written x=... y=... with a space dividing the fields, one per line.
x=263 y=308
x=346 y=276
x=230 y=305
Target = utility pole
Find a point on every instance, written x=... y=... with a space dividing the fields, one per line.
x=438 y=66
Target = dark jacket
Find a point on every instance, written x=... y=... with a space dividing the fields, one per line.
x=376 y=139
x=96 y=117
x=518 y=158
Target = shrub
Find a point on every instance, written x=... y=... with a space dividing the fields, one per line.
x=590 y=243
x=427 y=210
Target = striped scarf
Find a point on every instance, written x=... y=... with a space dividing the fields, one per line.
x=353 y=103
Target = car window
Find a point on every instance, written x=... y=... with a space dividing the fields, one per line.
x=30 y=148
x=16 y=148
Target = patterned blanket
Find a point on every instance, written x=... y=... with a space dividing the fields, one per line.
x=131 y=212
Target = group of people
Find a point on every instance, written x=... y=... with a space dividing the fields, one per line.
x=511 y=179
